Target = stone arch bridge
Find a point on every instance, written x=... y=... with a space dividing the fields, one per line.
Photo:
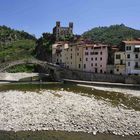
x=59 y=73
x=49 y=68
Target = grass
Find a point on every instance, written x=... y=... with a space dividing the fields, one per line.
x=17 y=50
x=22 y=68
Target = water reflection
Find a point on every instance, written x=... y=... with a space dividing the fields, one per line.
x=53 y=135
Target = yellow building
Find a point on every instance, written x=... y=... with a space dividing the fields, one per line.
x=120 y=63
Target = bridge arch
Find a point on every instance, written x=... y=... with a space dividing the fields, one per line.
x=47 y=66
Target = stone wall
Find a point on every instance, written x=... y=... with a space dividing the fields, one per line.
x=88 y=76
x=132 y=79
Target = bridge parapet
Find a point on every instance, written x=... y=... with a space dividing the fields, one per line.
x=5 y=66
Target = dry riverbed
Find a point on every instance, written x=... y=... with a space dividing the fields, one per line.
x=66 y=111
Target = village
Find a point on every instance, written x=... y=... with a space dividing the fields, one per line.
x=85 y=55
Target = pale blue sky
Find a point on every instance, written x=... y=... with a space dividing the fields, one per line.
x=38 y=16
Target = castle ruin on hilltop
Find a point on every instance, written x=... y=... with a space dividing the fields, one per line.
x=63 y=32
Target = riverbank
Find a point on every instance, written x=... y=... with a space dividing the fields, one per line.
x=16 y=76
x=102 y=84
x=127 y=91
x=64 y=111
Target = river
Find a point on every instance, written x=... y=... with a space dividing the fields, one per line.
x=69 y=108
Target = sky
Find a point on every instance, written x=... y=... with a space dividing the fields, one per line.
x=39 y=16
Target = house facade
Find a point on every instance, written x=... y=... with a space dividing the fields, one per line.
x=95 y=58
x=81 y=56
x=120 y=63
x=132 y=52
x=127 y=62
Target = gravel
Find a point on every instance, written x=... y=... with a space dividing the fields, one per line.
x=66 y=111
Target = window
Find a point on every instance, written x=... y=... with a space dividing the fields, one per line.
x=91 y=64
x=95 y=64
x=136 y=50
x=77 y=54
x=118 y=56
x=84 y=66
x=128 y=56
x=79 y=66
x=101 y=53
x=96 y=70
x=128 y=48
x=121 y=62
x=86 y=59
x=136 y=64
x=117 y=70
x=92 y=59
x=96 y=53
x=96 y=59
x=101 y=58
x=86 y=48
x=91 y=53
x=100 y=65
x=86 y=53
x=128 y=63
x=92 y=48
x=136 y=56
x=80 y=59
x=101 y=71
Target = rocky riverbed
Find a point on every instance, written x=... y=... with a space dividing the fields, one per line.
x=66 y=111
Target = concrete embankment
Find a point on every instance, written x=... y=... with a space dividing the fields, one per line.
x=64 y=111
x=14 y=77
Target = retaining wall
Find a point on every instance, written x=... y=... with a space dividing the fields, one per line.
x=88 y=76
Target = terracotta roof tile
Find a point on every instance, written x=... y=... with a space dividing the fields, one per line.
x=133 y=42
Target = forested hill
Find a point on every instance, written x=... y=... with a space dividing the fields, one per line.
x=112 y=35
x=15 y=44
x=7 y=35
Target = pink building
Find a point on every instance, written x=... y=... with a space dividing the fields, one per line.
x=95 y=58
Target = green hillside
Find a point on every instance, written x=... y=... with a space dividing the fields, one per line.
x=112 y=35
x=15 y=44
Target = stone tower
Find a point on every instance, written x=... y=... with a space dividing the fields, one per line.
x=62 y=32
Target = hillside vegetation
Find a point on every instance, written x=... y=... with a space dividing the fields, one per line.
x=112 y=35
x=44 y=47
x=15 y=44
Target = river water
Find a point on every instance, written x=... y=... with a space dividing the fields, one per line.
x=60 y=135
x=115 y=99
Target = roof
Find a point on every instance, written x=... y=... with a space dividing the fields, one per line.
x=95 y=45
x=133 y=42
